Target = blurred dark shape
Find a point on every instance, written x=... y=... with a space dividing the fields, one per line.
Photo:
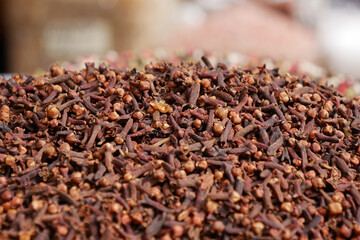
x=41 y=32
x=284 y=6
x=3 y=63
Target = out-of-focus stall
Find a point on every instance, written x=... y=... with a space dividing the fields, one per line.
x=2 y=38
x=40 y=32
x=319 y=37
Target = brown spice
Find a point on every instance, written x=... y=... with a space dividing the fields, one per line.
x=185 y=151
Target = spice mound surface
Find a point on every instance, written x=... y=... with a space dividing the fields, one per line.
x=177 y=152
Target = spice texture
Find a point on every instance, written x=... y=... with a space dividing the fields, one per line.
x=189 y=151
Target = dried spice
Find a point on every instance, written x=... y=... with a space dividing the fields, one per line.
x=177 y=151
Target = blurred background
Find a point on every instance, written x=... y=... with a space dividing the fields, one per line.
x=317 y=37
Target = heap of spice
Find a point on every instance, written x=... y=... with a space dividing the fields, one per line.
x=177 y=152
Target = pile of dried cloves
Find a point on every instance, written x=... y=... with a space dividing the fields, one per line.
x=177 y=152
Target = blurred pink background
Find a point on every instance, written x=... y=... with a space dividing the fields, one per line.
x=320 y=37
